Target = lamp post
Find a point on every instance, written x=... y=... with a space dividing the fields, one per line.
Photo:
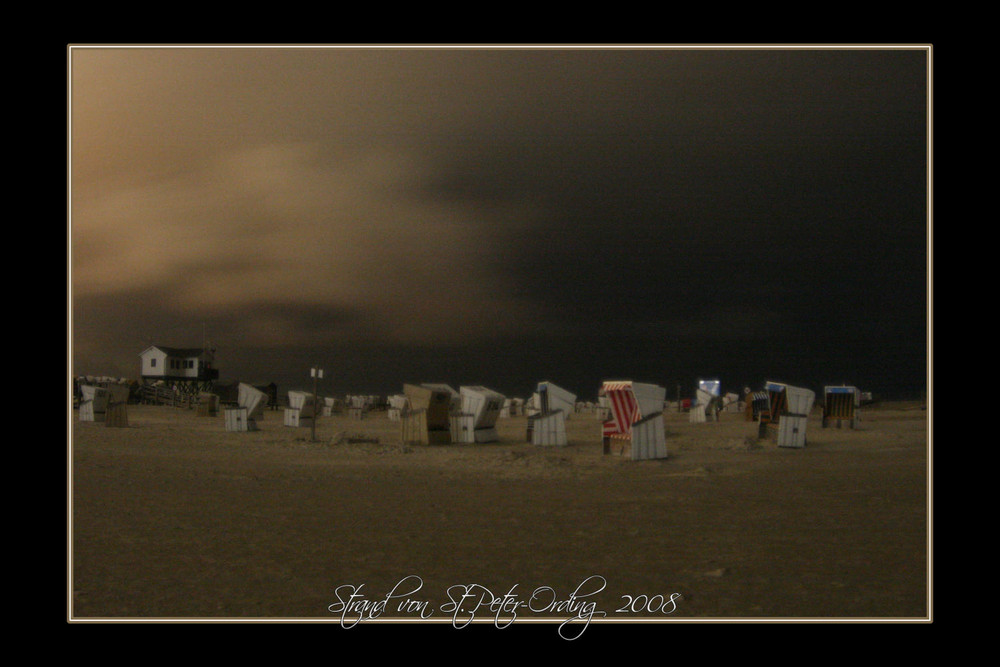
x=316 y=374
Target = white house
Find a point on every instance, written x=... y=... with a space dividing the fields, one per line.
x=174 y=363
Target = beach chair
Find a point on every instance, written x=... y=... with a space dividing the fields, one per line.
x=397 y=405
x=548 y=426
x=93 y=404
x=329 y=406
x=208 y=404
x=635 y=429
x=425 y=420
x=116 y=413
x=841 y=404
x=757 y=404
x=476 y=422
x=505 y=410
x=603 y=407
x=358 y=406
x=787 y=415
x=301 y=410
x=250 y=404
x=707 y=402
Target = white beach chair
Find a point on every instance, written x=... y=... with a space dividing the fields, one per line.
x=548 y=427
x=478 y=417
x=94 y=403
x=301 y=410
x=707 y=397
x=250 y=403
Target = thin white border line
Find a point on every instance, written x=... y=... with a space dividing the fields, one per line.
x=930 y=296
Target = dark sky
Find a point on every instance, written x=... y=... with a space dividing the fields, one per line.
x=504 y=215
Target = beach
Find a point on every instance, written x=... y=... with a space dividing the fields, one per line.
x=173 y=517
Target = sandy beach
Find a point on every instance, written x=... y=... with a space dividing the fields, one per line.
x=173 y=517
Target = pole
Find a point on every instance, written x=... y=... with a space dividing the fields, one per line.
x=315 y=406
x=316 y=373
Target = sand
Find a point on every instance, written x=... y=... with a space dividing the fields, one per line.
x=173 y=517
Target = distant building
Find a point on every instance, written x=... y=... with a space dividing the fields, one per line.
x=188 y=368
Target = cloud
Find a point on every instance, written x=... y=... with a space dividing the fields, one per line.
x=471 y=197
x=290 y=223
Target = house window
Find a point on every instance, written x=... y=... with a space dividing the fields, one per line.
x=152 y=363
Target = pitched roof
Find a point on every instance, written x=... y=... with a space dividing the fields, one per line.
x=178 y=351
